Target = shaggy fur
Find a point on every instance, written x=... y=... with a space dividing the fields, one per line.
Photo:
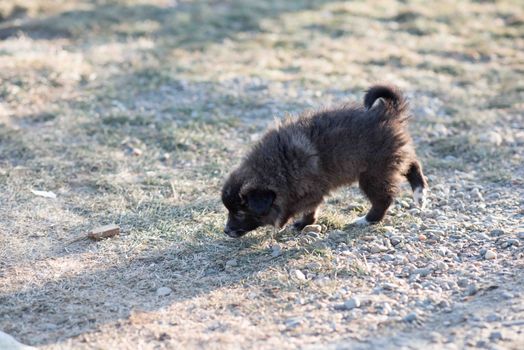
x=296 y=164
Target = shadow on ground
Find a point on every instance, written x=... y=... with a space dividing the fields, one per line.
x=84 y=302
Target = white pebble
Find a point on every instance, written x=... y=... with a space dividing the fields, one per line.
x=491 y=137
x=298 y=275
x=490 y=255
x=386 y=309
x=475 y=192
x=442 y=266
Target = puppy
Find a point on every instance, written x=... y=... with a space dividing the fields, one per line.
x=297 y=163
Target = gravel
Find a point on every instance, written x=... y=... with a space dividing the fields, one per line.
x=432 y=268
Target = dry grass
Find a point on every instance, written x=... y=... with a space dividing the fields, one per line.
x=87 y=83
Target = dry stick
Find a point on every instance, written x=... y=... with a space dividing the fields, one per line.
x=99 y=233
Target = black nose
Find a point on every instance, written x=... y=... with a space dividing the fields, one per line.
x=233 y=233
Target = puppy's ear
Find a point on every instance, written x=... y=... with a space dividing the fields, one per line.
x=260 y=201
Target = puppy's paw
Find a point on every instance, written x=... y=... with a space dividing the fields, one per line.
x=420 y=197
x=299 y=225
x=361 y=221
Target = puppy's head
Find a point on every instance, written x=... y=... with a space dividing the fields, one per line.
x=250 y=206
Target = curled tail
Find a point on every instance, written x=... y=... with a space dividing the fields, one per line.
x=394 y=101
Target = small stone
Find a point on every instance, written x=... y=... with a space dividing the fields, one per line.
x=422 y=237
x=482 y=236
x=507 y=295
x=443 y=251
x=481 y=344
x=444 y=304
x=423 y=272
x=410 y=317
x=435 y=337
x=388 y=257
x=136 y=151
x=312 y=228
x=276 y=250
x=463 y=282
x=476 y=193
x=368 y=238
x=395 y=240
x=520 y=235
x=414 y=211
x=490 y=255
x=404 y=204
x=231 y=263
x=491 y=137
x=386 y=309
x=163 y=291
x=401 y=259
x=375 y=248
x=293 y=322
x=496 y=336
x=352 y=303
x=442 y=266
x=389 y=286
x=493 y=318
x=515 y=323
x=496 y=233
x=472 y=290
x=165 y=157
x=299 y=275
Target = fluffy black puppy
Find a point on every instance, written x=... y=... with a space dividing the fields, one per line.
x=297 y=163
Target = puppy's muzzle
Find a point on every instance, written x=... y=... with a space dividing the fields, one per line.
x=234 y=233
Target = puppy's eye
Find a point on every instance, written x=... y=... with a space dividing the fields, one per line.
x=240 y=215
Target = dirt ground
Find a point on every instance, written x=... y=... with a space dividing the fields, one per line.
x=133 y=112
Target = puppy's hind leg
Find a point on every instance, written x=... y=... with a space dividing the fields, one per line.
x=308 y=218
x=418 y=183
x=380 y=193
